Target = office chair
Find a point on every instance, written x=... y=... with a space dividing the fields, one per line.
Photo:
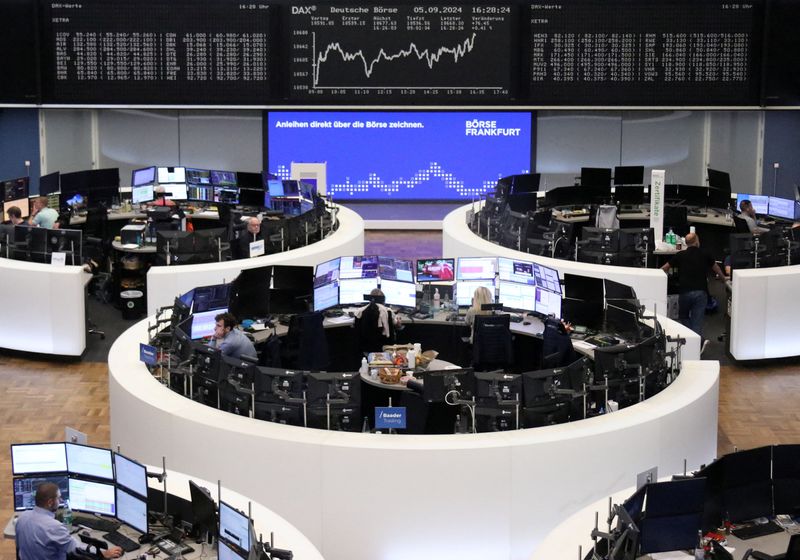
x=370 y=335
x=606 y=216
x=491 y=342
x=557 y=350
x=740 y=225
x=305 y=345
x=792 y=552
x=677 y=219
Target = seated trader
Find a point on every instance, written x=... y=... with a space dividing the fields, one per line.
x=693 y=266
x=40 y=537
x=481 y=296
x=43 y=216
x=230 y=340
x=748 y=214
x=14 y=217
x=376 y=324
x=252 y=234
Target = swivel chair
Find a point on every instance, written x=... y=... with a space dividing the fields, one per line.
x=557 y=350
x=740 y=225
x=305 y=346
x=792 y=552
x=491 y=347
x=370 y=335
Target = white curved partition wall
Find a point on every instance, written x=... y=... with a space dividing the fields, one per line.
x=51 y=300
x=764 y=311
x=166 y=282
x=365 y=496
x=460 y=241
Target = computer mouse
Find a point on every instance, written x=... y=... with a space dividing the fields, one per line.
x=526 y=323
x=146 y=538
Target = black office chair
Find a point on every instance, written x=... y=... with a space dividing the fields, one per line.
x=792 y=552
x=740 y=225
x=370 y=335
x=677 y=219
x=491 y=342
x=557 y=350
x=305 y=346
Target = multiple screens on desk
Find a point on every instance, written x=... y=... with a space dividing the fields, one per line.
x=35 y=244
x=520 y=285
x=92 y=479
x=776 y=207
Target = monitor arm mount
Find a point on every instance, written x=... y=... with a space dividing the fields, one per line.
x=162 y=478
x=99 y=545
x=453 y=398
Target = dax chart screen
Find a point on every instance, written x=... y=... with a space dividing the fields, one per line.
x=403 y=156
x=343 y=52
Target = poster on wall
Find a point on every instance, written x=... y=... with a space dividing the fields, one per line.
x=403 y=156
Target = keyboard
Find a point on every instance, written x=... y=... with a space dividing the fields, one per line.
x=173 y=548
x=96 y=523
x=122 y=541
x=753 y=531
x=602 y=340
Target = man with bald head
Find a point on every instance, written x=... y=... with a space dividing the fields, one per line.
x=252 y=234
x=693 y=265
x=40 y=537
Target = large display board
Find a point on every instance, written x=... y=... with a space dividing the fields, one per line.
x=403 y=156
x=156 y=51
x=644 y=52
x=346 y=51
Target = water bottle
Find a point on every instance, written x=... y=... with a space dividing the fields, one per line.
x=411 y=356
x=67 y=519
x=436 y=299
x=671 y=237
x=364 y=366
x=699 y=551
x=457 y=427
x=365 y=425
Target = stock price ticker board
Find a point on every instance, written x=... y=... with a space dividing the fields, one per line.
x=156 y=51
x=645 y=52
x=401 y=52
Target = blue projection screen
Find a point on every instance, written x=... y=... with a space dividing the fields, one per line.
x=403 y=156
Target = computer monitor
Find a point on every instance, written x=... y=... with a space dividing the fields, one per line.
x=132 y=511
x=437 y=384
x=291 y=188
x=227 y=194
x=476 y=268
x=198 y=177
x=548 y=303
x=326 y=272
x=436 y=270
x=718 y=198
x=24 y=489
x=466 y=289
x=210 y=298
x=636 y=240
x=130 y=475
x=630 y=194
x=616 y=290
x=786 y=478
x=50 y=183
x=673 y=515
x=203 y=323
x=340 y=386
x=363 y=266
x=143 y=176
x=85 y=460
x=23 y=204
x=93 y=497
x=226 y=552
x=352 y=290
x=176 y=191
x=15 y=189
x=719 y=180
x=600 y=239
x=628 y=175
x=622 y=319
x=250 y=197
x=234 y=526
x=401 y=270
x=519 y=297
x=224 y=179
x=595 y=176
x=178 y=242
x=747 y=484
x=249 y=180
x=275 y=188
x=497 y=385
x=204 y=511
x=583 y=287
x=540 y=387
x=326 y=296
x=34 y=458
x=142 y=194
x=280 y=384
x=171 y=175
x=249 y=293
x=782 y=208
x=401 y=294
x=760 y=202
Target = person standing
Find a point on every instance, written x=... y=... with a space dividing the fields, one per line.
x=693 y=265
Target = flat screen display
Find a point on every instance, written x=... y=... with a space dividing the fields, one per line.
x=227 y=553
x=404 y=156
x=402 y=294
x=436 y=270
x=25 y=490
x=144 y=176
x=15 y=189
x=50 y=183
x=176 y=191
x=171 y=175
x=223 y=179
x=89 y=461
x=132 y=511
x=352 y=290
x=326 y=296
x=275 y=188
x=203 y=323
x=130 y=475
x=23 y=204
x=145 y=193
x=234 y=527
x=358 y=267
x=199 y=177
x=760 y=202
x=548 y=303
x=476 y=268
x=514 y=295
x=326 y=272
x=401 y=270
x=466 y=289
x=32 y=458
x=94 y=497
x=781 y=208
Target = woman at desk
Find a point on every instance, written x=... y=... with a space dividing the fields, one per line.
x=482 y=296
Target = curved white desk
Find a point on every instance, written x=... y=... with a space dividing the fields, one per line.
x=164 y=283
x=43 y=307
x=459 y=241
x=764 y=312
x=367 y=496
